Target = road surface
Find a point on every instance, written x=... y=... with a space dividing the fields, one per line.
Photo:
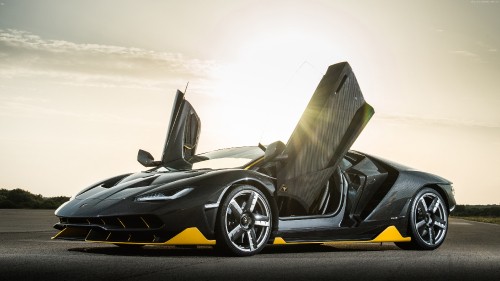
x=471 y=252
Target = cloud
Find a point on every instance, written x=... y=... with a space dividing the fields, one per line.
x=469 y=55
x=23 y=54
x=436 y=121
x=466 y=54
x=37 y=107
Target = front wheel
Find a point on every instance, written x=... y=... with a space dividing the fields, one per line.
x=244 y=222
x=428 y=222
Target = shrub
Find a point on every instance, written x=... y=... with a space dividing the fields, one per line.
x=22 y=199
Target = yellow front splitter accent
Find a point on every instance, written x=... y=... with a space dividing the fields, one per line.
x=390 y=234
x=189 y=236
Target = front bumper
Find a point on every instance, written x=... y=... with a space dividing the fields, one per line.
x=134 y=229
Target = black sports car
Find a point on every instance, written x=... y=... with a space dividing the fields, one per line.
x=311 y=190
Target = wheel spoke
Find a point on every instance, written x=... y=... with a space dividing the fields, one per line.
x=434 y=205
x=261 y=220
x=424 y=232
x=431 y=235
x=440 y=223
x=420 y=224
x=422 y=203
x=235 y=209
x=252 y=239
x=236 y=232
x=252 y=200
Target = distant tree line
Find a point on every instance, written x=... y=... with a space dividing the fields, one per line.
x=476 y=211
x=22 y=199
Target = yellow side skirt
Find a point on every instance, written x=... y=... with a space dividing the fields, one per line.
x=390 y=234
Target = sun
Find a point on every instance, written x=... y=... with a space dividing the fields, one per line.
x=265 y=103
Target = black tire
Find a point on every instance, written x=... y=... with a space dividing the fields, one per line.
x=428 y=221
x=244 y=222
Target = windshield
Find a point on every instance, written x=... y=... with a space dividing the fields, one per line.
x=235 y=157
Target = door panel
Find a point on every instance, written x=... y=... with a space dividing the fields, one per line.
x=183 y=134
x=334 y=117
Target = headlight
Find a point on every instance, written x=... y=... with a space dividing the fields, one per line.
x=160 y=196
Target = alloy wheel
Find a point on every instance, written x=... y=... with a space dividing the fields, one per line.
x=430 y=219
x=428 y=222
x=245 y=221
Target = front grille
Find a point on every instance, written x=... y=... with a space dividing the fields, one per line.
x=137 y=229
x=114 y=236
x=116 y=222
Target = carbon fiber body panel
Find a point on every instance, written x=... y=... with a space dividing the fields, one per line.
x=332 y=121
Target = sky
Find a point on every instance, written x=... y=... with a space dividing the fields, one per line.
x=85 y=84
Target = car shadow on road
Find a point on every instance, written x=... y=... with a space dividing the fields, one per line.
x=330 y=247
x=148 y=251
x=205 y=251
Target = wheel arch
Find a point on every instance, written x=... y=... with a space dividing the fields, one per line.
x=414 y=181
x=434 y=186
x=439 y=189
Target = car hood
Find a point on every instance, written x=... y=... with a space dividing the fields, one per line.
x=118 y=194
x=138 y=183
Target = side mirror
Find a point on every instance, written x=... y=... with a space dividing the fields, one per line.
x=274 y=150
x=146 y=159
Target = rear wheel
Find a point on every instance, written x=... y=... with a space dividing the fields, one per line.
x=244 y=222
x=428 y=222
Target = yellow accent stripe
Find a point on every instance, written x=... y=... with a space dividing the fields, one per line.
x=190 y=236
x=145 y=222
x=254 y=163
x=58 y=234
x=121 y=222
x=279 y=241
x=390 y=234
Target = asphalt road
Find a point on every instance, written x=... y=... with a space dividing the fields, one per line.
x=471 y=252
